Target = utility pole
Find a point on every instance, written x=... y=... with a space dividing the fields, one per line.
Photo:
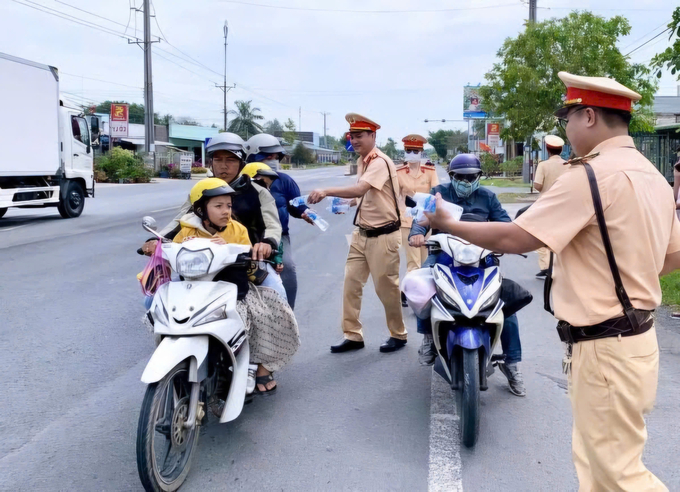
x=532 y=11
x=225 y=88
x=149 y=138
x=300 y=119
x=325 y=143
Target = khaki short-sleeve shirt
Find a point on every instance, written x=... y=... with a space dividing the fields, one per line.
x=420 y=181
x=639 y=211
x=548 y=171
x=377 y=208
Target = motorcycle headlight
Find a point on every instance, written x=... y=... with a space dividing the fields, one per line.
x=193 y=264
x=446 y=298
x=214 y=315
x=161 y=315
x=491 y=301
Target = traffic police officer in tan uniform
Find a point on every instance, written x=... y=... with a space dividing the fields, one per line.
x=615 y=356
x=547 y=173
x=374 y=249
x=415 y=176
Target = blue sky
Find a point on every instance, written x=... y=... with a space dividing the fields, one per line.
x=398 y=68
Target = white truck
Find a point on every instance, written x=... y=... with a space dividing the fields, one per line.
x=46 y=157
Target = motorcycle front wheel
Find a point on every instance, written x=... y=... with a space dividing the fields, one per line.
x=469 y=399
x=164 y=446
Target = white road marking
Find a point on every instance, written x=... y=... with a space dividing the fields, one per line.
x=446 y=470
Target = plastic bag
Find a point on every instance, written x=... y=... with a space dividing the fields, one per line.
x=428 y=203
x=156 y=273
x=418 y=287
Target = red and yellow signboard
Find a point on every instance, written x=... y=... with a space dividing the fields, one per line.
x=119 y=120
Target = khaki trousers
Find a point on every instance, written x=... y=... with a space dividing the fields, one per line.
x=379 y=257
x=543 y=258
x=414 y=256
x=612 y=386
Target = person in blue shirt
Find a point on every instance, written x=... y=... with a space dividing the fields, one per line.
x=267 y=151
x=464 y=190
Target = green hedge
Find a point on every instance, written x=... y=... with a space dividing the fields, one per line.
x=121 y=164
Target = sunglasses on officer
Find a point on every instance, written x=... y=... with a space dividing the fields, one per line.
x=470 y=178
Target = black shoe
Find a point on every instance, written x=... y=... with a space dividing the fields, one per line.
x=392 y=344
x=542 y=275
x=346 y=346
x=403 y=300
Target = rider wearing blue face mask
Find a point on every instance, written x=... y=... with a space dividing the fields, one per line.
x=464 y=190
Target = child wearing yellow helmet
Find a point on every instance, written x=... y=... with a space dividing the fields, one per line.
x=211 y=202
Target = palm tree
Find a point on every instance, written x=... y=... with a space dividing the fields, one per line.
x=245 y=123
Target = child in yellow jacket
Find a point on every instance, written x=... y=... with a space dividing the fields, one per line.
x=211 y=200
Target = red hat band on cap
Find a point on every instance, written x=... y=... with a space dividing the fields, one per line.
x=587 y=97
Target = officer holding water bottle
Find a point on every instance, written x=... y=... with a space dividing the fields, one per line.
x=415 y=176
x=374 y=249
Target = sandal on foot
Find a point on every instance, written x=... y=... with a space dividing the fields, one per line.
x=264 y=380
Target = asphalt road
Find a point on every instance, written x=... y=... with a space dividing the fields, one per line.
x=74 y=349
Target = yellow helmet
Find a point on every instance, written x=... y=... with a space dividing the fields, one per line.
x=253 y=168
x=209 y=187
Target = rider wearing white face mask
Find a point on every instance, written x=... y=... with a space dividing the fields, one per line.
x=268 y=150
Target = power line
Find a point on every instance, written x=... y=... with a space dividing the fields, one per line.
x=181 y=66
x=354 y=11
x=193 y=60
x=643 y=37
x=76 y=20
x=648 y=41
x=99 y=80
x=90 y=13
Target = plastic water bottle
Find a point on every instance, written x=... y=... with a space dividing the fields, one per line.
x=299 y=201
x=338 y=205
x=318 y=221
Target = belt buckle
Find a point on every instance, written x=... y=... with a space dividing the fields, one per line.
x=362 y=232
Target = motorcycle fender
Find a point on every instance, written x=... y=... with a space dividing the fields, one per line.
x=173 y=350
x=469 y=338
x=239 y=383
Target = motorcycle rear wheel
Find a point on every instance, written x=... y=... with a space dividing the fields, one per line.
x=164 y=411
x=469 y=401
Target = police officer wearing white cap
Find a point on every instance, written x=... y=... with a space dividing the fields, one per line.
x=610 y=220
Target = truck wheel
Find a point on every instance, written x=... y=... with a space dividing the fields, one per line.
x=3 y=211
x=73 y=202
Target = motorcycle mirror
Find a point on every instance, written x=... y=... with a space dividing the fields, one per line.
x=149 y=222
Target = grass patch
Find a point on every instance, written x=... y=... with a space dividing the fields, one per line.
x=670 y=289
x=504 y=182
x=517 y=197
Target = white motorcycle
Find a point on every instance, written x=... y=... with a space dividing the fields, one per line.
x=202 y=359
x=467 y=321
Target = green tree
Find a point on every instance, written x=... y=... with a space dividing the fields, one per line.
x=273 y=126
x=439 y=140
x=670 y=57
x=523 y=85
x=164 y=120
x=290 y=133
x=302 y=155
x=489 y=164
x=390 y=148
x=246 y=119
x=331 y=143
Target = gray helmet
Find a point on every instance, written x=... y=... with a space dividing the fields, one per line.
x=226 y=141
x=263 y=143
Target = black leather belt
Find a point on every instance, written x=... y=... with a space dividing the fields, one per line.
x=380 y=231
x=610 y=328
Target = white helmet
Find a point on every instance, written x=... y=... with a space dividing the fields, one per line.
x=226 y=141
x=263 y=143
